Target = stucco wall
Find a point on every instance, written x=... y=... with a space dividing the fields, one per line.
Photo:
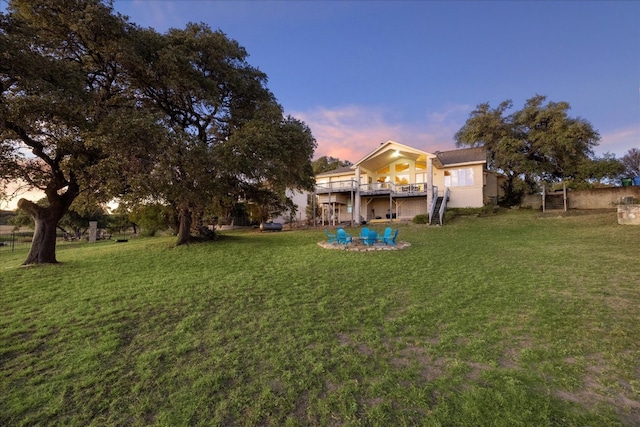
x=465 y=197
x=595 y=198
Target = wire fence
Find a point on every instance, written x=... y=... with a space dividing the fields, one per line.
x=15 y=241
x=21 y=240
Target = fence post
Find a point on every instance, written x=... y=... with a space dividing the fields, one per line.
x=13 y=239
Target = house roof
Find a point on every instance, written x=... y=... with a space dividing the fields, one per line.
x=387 y=152
x=462 y=156
x=390 y=151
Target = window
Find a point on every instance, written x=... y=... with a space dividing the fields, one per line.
x=458 y=177
x=402 y=173
x=383 y=174
x=402 y=179
x=402 y=167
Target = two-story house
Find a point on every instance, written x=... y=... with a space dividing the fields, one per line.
x=396 y=181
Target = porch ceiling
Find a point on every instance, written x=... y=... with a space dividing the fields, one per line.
x=389 y=156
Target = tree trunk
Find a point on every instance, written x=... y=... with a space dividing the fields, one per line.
x=43 y=245
x=184 y=232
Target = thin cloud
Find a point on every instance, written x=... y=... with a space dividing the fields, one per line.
x=619 y=141
x=350 y=132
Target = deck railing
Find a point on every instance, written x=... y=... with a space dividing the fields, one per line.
x=388 y=187
x=377 y=187
x=373 y=188
x=336 y=186
x=418 y=188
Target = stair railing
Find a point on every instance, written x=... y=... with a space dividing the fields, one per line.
x=443 y=206
x=434 y=201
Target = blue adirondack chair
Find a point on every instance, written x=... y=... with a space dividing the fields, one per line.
x=330 y=237
x=386 y=235
x=391 y=240
x=364 y=234
x=371 y=238
x=343 y=237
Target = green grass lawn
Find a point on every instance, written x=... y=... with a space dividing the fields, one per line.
x=517 y=319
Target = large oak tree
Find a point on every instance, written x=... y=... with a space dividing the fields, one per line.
x=227 y=138
x=540 y=142
x=62 y=94
x=90 y=102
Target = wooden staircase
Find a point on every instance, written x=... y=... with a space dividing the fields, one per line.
x=436 y=216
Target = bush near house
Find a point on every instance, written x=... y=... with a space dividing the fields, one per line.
x=421 y=219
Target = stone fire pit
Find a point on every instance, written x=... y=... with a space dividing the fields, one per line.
x=358 y=246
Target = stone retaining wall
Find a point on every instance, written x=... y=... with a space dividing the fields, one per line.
x=594 y=198
x=629 y=214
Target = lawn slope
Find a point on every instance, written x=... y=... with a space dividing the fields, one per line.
x=513 y=319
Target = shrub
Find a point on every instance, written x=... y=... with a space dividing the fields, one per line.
x=421 y=219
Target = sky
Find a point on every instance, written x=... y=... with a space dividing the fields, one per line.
x=359 y=73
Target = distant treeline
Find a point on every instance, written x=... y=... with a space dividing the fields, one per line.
x=5 y=216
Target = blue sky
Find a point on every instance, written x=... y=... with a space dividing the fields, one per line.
x=362 y=72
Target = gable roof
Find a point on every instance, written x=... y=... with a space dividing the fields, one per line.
x=462 y=156
x=388 y=152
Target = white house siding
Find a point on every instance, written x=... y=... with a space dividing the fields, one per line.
x=465 y=197
x=462 y=196
x=300 y=199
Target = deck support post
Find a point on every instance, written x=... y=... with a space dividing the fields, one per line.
x=356 y=202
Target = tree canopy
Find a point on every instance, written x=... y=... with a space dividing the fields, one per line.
x=631 y=162
x=328 y=163
x=539 y=143
x=90 y=102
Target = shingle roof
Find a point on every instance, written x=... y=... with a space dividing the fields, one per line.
x=465 y=155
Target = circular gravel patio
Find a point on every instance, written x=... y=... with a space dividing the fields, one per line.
x=360 y=247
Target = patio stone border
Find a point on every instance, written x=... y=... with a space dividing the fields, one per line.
x=364 y=248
